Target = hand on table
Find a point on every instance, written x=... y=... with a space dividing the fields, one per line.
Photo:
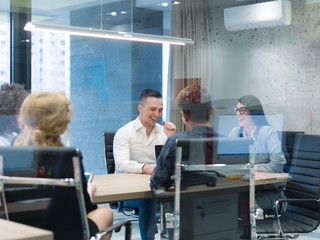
x=148 y=168
x=91 y=188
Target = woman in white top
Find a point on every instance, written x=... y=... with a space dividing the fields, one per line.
x=267 y=147
x=253 y=124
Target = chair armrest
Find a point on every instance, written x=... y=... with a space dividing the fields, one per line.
x=298 y=200
x=277 y=202
x=115 y=227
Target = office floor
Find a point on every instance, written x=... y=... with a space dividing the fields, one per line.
x=136 y=234
x=312 y=236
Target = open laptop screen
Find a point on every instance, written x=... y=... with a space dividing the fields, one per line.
x=232 y=150
x=223 y=150
x=158 y=149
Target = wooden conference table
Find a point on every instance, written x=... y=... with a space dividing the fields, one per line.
x=16 y=231
x=211 y=211
x=127 y=186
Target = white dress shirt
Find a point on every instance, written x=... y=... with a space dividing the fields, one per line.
x=132 y=149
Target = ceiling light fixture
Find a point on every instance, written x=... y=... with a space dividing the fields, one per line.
x=109 y=34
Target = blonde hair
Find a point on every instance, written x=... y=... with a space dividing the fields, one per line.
x=44 y=116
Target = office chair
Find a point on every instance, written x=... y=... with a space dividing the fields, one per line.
x=108 y=144
x=207 y=215
x=56 y=172
x=302 y=192
x=287 y=144
x=110 y=164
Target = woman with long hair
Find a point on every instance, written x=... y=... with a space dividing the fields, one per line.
x=44 y=117
x=253 y=124
x=268 y=154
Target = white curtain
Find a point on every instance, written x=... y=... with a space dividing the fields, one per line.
x=191 y=63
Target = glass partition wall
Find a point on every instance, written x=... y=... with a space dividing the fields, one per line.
x=104 y=77
x=5 y=44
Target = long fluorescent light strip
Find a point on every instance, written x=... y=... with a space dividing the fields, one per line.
x=89 y=32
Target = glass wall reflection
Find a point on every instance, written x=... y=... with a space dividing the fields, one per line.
x=103 y=78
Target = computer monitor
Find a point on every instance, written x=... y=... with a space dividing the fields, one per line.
x=220 y=150
x=226 y=122
x=18 y=161
x=232 y=150
x=47 y=162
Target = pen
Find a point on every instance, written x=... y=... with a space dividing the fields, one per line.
x=164 y=123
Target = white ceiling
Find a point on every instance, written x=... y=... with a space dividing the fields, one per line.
x=48 y=5
x=58 y=9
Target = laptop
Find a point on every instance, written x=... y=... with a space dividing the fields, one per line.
x=233 y=151
x=158 y=149
x=222 y=150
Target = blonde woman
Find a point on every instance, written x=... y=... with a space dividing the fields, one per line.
x=44 y=117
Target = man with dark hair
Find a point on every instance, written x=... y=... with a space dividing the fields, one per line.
x=196 y=108
x=134 y=152
x=133 y=146
x=11 y=98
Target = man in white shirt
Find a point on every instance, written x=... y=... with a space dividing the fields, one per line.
x=134 y=151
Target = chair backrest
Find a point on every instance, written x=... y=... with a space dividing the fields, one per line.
x=305 y=182
x=108 y=148
x=59 y=172
x=287 y=144
x=200 y=155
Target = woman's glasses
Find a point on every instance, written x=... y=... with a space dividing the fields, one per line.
x=241 y=110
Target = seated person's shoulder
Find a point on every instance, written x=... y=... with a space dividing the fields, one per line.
x=267 y=129
x=176 y=136
x=235 y=132
x=123 y=131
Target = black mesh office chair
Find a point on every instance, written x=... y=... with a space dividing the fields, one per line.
x=287 y=144
x=110 y=164
x=108 y=144
x=302 y=194
x=57 y=174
